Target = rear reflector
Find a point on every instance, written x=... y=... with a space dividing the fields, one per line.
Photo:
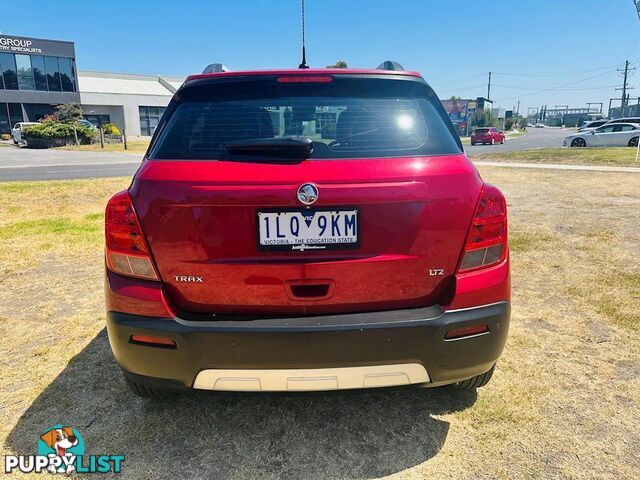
x=127 y=252
x=153 y=340
x=130 y=265
x=466 y=332
x=306 y=79
x=487 y=241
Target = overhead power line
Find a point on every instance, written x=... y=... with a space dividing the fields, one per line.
x=559 y=74
x=515 y=87
x=558 y=87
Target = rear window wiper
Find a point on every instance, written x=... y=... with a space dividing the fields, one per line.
x=295 y=147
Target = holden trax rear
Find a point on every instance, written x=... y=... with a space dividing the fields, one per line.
x=295 y=230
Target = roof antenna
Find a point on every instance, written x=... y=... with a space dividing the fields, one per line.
x=303 y=65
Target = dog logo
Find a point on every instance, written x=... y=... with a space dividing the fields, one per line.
x=60 y=439
x=308 y=193
x=64 y=442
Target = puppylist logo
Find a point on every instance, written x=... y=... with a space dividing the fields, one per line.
x=61 y=449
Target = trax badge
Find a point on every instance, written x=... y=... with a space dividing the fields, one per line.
x=308 y=193
x=188 y=279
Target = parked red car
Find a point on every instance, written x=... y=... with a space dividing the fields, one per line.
x=487 y=136
x=316 y=229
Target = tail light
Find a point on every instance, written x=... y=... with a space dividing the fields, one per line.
x=153 y=340
x=463 y=332
x=127 y=252
x=487 y=241
x=305 y=79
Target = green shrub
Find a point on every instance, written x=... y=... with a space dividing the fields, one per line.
x=110 y=129
x=5 y=136
x=68 y=112
x=59 y=131
x=483 y=118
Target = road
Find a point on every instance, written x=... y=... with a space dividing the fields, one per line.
x=27 y=164
x=535 y=138
x=30 y=164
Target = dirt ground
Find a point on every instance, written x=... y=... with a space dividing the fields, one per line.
x=564 y=402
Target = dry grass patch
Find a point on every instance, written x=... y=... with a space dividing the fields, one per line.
x=133 y=146
x=613 y=156
x=564 y=401
x=522 y=240
x=613 y=295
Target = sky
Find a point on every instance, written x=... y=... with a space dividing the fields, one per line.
x=553 y=52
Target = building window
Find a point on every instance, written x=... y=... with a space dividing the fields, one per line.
x=53 y=74
x=67 y=76
x=5 y=126
x=35 y=72
x=97 y=119
x=10 y=114
x=149 y=118
x=9 y=75
x=15 y=113
x=25 y=73
x=39 y=75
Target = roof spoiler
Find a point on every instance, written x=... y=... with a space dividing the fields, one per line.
x=215 y=68
x=390 y=65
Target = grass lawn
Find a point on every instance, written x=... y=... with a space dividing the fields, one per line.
x=133 y=146
x=618 y=156
x=564 y=401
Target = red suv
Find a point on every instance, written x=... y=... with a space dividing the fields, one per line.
x=487 y=135
x=314 y=229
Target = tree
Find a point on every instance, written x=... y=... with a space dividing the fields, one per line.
x=453 y=98
x=68 y=112
x=338 y=64
x=483 y=118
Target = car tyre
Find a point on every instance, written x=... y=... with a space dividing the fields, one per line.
x=492 y=142
x=475 y=382
x=578 y=142
x=502 y=142
x=633 y=142
x=473 y=144
x=144 y=391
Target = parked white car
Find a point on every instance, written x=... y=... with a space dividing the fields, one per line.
x=610 y=135
x=16 y=131
x=593 y=124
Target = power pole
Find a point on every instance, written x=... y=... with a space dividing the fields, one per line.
x=625 y=87
x=489 y=88
x=594 y=103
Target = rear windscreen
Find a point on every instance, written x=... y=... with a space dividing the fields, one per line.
x=344 y=118
x=481 y=130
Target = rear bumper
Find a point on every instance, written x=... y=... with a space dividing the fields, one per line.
x=329 y=351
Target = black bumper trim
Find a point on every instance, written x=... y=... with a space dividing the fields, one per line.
x=375 y=338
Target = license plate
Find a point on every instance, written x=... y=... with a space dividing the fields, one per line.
x=308 y=229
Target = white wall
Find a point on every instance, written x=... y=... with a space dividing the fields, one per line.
x=125 y=107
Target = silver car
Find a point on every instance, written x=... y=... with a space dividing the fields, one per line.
x=610 y=135
x=593 y=124
x=16 y=131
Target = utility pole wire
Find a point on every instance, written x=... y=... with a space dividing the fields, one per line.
x=572 y=72
x=625 y=87
x=558 y=87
